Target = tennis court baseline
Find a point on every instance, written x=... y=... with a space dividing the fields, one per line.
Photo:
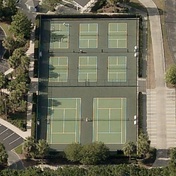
x=117 y=68
x=109 y=120
x=63 y=120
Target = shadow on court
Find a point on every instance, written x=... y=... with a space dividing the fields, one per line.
x=57 y=37
x=54 y=75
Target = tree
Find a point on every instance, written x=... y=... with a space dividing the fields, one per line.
x=170 y=76
x=29 y=147
x=9 y=44
x=50 y=4
x=72 y=152
x=25 y=61
x=3 y=155
x=94 y=153
x=1 y=9
x=129 y=149
x=3 y=104
x=21 y=25
x=9 y=9
x=143 y=145
x=15 y=60
x=42 y=148
x=172 y=162
x=2 y=80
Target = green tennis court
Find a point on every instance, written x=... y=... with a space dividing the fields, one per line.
x=88 y=35
x=117 y=68
x=63 y=120
x=109 y=120
x=87 y=69
x=59 y=35
x=58 y=69
x=117 y=35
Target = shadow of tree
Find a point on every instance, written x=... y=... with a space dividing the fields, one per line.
x=57 y=37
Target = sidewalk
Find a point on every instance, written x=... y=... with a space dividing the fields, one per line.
x=15 y=129
x=158 y=118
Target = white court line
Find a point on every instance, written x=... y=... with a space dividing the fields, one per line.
x=64 y=133
x=63 y=121
x=108 y=132
x=14 y=141
x=4 y=131
x=8 y=136
x=109 y=121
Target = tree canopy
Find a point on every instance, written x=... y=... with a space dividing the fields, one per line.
x=3 y=155
x=143 y=145
x=129 y=149
x=50 y=4
x=21 y=25
x=72 y=152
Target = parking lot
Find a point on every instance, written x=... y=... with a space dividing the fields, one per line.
x=9 y=138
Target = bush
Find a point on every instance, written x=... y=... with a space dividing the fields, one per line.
x=94 y=153
x=170 y=76
x=73 y=153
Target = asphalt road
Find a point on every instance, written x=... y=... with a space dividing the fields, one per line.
x=9 y=138
x=170 y=21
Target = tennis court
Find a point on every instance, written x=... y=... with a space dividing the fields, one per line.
x=117 y=68
x=88 y=35
x=117 y=35
x=63 y=120
x=109 y=120
x=87 y=69
x=58 y=69
x=59 y=35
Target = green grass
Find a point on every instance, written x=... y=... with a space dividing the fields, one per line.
x=5 y=27
x=19 y=149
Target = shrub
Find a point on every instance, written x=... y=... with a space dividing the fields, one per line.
x=94 y=153
x=72 y=152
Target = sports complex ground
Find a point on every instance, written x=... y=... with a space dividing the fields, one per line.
x=87 y=79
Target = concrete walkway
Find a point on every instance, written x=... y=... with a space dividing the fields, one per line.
x=157 y=126
x=21 y=133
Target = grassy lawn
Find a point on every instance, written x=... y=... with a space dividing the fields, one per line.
x=5 y=27
x=19 y=150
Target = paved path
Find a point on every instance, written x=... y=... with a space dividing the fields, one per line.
x=14 y=161
x=160 y=100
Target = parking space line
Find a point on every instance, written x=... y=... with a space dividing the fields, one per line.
x=4 y=131
x=14 y=141
x=8 y=136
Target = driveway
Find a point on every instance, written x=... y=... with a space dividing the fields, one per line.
x=9 y=138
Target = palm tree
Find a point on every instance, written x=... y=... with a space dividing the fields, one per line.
x=42 y=148
x=29 y=147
